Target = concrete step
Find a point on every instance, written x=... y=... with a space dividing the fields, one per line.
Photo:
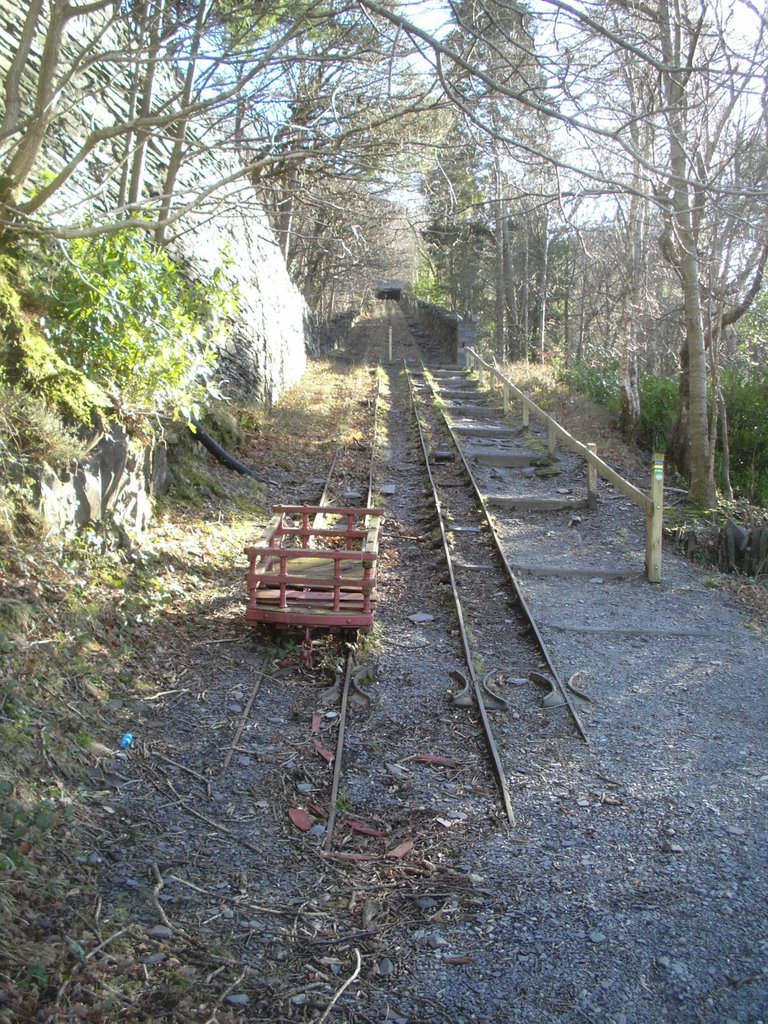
x=532 y=503
x=472 y=430
x=507 y=459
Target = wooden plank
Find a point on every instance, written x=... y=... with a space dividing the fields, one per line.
x=303 y=597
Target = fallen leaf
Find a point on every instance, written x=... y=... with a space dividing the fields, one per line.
x=316 y=719
x=365 y=830
x=324 y=752
x=402 y=850
x=458 y=959
x=437 y=759
x=301 y=819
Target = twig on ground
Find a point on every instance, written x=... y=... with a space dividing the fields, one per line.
x=229 y=899
x=156 y=890
x=223 y=996
x=244 y=717
x=214 y=824
x=163 y=693
x=340 y=991
x=189 y=771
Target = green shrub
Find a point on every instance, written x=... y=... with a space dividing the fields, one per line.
x=746 y=401
x=29 y=361
x=658 y=408
x=600 y=383
x=125 y=314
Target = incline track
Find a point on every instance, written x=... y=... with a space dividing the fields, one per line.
x=441 y=425
x=477 y=566
x=498 y=660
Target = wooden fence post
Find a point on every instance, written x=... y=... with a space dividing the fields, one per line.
x=655 y=520
x=551 y=438
x=505 y=396
x=592 y=479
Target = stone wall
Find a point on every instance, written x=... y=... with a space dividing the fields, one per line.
x=115 y=482
x=453 y=333
x=266 y=348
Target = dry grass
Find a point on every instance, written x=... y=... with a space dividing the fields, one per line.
x=323 y=410
x=578 y=414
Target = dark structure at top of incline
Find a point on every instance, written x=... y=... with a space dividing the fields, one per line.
x=393 y=290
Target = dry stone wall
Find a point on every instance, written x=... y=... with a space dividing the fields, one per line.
x=265 y=351
x=453 y=333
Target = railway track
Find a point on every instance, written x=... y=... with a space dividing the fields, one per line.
x=478 y=569
x=505 y=659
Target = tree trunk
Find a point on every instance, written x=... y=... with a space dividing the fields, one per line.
x=629 y=392
x=179 y=130
x=513 y=327
x=24 y=156
x=693 y=398
x=499 y=261
x=526 y=296
x=543 y=289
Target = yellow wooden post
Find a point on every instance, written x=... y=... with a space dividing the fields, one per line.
x=551 y=437
x=526 y=416
x=655 y=520
x=592 y=479
x=505 y=394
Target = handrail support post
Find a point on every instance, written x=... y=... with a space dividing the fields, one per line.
x=591 y=479
x=655 y=520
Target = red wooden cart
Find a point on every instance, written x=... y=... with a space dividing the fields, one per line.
x=315 y=565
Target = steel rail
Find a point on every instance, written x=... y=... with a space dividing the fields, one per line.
x=352 y=648
x=564 y=689
x=498 y=768
x=339 y=755
x=326 y=496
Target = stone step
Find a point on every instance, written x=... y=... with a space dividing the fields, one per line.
x=472 y=430
x=532 y=503
x=576 y=572
x=461 y=393
x=474 y=412
x=507 y=459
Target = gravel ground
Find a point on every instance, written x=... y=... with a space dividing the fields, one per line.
x=633 y=887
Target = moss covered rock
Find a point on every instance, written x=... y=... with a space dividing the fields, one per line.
x=30 y=362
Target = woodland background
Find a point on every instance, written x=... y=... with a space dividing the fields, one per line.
x=588 y=179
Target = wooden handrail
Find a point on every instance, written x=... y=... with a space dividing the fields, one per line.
x=652 y=504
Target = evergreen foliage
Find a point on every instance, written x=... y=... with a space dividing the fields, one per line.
x=125 y=314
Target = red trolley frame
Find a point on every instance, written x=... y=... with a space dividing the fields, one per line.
x=315 y=565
